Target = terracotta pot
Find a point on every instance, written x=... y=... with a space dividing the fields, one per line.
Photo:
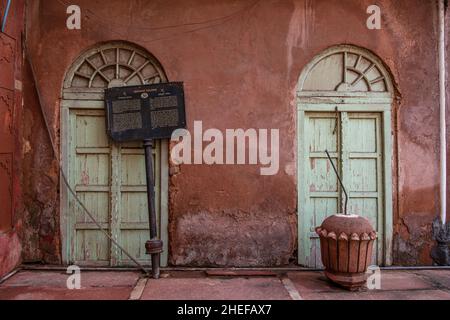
x=346 y=243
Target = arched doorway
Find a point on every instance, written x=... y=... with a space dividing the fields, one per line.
x=344 y=106
x=108 y=177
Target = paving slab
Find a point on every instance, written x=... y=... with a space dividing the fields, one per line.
x=379 y=295
x=438 y=277
x=405 y=280
x=46 y=293
x=232 y=288
x=311 y=281
x=390 y=280
x=51 y=285
x=58 y=279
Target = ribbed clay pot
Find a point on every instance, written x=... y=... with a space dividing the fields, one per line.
x=346 y=243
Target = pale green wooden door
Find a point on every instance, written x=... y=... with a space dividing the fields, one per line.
x=110 y=180
x=355 y=144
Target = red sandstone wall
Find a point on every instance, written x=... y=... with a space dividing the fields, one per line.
x=241 y=72
x=10 y=114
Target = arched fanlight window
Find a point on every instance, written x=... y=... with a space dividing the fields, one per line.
x=114 y=64
x=345 y=69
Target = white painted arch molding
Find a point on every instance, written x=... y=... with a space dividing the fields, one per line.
x=345 y=70
x=114 y=63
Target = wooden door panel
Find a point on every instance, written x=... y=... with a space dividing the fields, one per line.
x=98 y=205
x=133 y=169
x=92 y=247
x=322 y=186
x=368 y=208
x=363 y=133
x=134 y=208
x=134 y=227
x=90 y=174
x=134 y=243
x=110 y=179
x=323 y=208
x=320 y=128
x=322 y=176
x=362 y=147
x=91 y=129
x=354 y=143
x=363 y=175
x=92 y=169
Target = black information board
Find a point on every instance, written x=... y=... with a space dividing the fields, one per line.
x=142 y=112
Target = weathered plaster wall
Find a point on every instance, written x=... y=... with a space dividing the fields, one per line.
x=40 y=181
x=240 y=61
x=10 y=155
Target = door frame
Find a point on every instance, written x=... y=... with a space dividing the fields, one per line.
x=86 y=95
x=315 y=102
x=95 y=102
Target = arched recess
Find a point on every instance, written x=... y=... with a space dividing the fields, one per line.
x=108 y=177
x=344 y=102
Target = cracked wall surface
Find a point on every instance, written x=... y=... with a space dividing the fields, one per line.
x=10 y=124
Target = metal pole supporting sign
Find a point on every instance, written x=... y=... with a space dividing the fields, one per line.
x=154 y=246
x=146 y=113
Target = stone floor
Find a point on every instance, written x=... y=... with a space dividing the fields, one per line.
x=193 y=285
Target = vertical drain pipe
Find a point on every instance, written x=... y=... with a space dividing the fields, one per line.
x=440 y=253
x=443 y=140
x=5 y=16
